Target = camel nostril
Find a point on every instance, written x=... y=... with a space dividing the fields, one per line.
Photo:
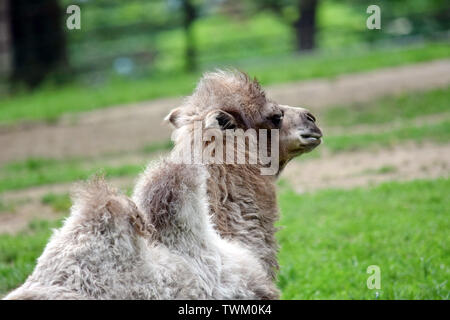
x=310 y=117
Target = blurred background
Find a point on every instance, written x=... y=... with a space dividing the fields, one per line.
x=139 y=38
x=74 y=102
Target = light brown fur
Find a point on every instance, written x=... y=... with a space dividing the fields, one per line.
x=242 y=202
x=194 y=231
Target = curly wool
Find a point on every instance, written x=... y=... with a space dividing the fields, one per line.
x=107 y=249
x=199 y=233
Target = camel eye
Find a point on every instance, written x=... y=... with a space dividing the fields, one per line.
x=276 y=119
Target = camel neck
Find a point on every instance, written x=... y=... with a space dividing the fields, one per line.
x=243 y=208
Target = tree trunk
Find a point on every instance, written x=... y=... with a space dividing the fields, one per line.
x=5 y=48
x=5 y=40
x=190 y=14
x=38 y=40
x=305 y=26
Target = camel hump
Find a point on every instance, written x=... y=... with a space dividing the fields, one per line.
x=173 y=195
x=97 y=203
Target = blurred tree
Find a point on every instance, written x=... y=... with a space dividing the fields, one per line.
x=305 y=25
x=190 y=14
x=38 y=40
x=300 y=14
x=5 y=44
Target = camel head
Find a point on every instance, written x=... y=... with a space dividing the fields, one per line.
x=225 y=100
x=299 y=133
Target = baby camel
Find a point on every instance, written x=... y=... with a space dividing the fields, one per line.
x=192 y=231
x=242 y=201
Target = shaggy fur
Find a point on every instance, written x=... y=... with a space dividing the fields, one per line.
x=191 y=231
x=108 y=250
x=242 y=202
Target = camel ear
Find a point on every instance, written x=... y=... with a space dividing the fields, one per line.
x=220 y=119
x=174 y=118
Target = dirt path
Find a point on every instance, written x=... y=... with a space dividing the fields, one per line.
x=134 y=126
x=345 y=170
x=351 y=169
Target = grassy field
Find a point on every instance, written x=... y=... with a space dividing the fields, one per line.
x=401 y=108
x=18 y=253
x=50 y=103
x=332 y=236
x=328 y=241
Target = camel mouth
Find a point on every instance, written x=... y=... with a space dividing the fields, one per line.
x=306 y=142
x=310 y=139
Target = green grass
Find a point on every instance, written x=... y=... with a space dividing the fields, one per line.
x=331 y=64
x=382 y=170
x=329 y=239
x=332 y=236
x=39 y=171
x=438 y=133
x=158 y=146
x=403 y=107
x=399 y=109
x=18 y=253
x=50 y=103
x=59 y=202
x=35 y=172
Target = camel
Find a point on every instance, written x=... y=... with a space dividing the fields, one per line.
x=242 y=201
x=191 y=230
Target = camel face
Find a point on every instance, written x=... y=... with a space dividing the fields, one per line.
x=298 y=133
x=232 y=100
